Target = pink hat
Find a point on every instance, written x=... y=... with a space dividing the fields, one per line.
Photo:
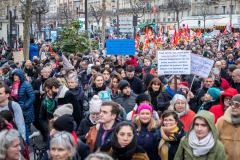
x=145 y=106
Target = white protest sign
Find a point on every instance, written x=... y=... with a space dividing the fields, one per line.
x=174 y=62
x=201 y=66
x=18 y=56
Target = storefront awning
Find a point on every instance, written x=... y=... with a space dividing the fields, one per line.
x=222 y=22
x=193 y=23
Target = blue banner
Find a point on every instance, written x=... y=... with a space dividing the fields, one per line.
x=120 y=47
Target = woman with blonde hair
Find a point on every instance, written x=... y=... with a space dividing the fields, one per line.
x=148 y=136
x=180 y=104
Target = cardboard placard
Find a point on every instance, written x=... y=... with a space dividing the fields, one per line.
x=18 y=56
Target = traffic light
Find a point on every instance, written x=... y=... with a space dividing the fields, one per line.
x=114 y=21
x=199 y=23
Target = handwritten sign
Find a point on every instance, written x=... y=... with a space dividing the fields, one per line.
x=201 y=66
x=18 y=56
x=174 y=62
x=120 y=47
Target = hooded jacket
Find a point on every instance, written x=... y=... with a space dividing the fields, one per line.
x=218 y=110
x=229 y=135
x=26 y=97
x=217 y=152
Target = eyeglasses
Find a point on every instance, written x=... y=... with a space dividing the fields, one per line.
x=236 y=105
x=168 y=120
x=180 y=104
x=64 y=136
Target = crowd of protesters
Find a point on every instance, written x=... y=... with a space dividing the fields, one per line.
x=96 y=106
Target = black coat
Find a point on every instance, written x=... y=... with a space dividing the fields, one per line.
x=135 y=84
x=84 y=128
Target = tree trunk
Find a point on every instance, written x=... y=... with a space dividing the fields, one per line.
x=26 y=31
x=103 y=21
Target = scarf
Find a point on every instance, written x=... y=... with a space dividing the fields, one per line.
x=154 y=95
x=93 y=120
x=49 y=104
x=203 y=105
x=97 y=89
x=172 y=92
x=125 y=153
x=14 y=92
x=168 y=134
x=181 y=113
x=235 y=120
x=203 y=146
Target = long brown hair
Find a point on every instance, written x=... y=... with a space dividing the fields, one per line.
x=155 y=81
x=118 y=77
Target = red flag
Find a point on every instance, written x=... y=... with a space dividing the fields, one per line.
x=160 y=35
x=175 y=38
x=136 y=42
x=225 y=30
x=146 y=38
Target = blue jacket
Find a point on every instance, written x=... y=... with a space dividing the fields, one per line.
x=149 y=140
x=26 y=96
x=33 y=51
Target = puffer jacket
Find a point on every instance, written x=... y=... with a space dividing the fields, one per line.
x=127 y=102
x=185 y=152
x=229 y=135
x=26 y=97
x=218 y=110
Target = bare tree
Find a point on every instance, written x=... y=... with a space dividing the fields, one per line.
x=64 y=14
x=96 y=12
x=138 y=7
x=103 y=21
x=26 y=31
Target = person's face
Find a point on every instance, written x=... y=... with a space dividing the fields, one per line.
x=130 y=75
x=105 y=115
x=147 y=62
x=208 y=82
x=93 y=71
x=229 y=73
x=115 y=82
x=113 y=58
x=46 y=73
x=126 y=90
x=98 y=81
x=201 y=128
x=180 y=106
x=3 y=95
x=172 y=84
x=125 y=136
x=169 y=121
x=224 y=64
x=94 y=115
x=106 y=75
x=123 y=74
x=155 y=87
x=84 y=65
x=58 y=152
x=235 y=108
x=219 y=55
x=207 y=97
x=3 y=59
x=101 y=60
x=226 y=101
x=145 y=116
x=13 y=151
x=235 y=77
x=218 y=65
x=15 y=78
x=127 y=58
x=72 y=83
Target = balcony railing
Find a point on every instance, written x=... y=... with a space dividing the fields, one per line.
x=173 y=6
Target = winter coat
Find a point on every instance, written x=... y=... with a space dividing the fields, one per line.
x=185 y=152
x=149 y=140
x=218 y=110
x=80 y=95
x=236 y=86
x=84 y=128
x=139 y=154
x=65 y=96
x=135 y=84
x=127 y=102
x=229 y=135
x=33 y=51
x=208 y=105
x=187 y=119
x=26 y=97
x=132 y=62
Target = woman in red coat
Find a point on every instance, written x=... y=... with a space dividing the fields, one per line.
x=180 y=104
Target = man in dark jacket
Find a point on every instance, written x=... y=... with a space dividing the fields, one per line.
x=62 y=96
x=127 y=99
x=135 y=83
x=236 y=79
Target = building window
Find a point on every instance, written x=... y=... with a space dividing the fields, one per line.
x=216 y=9
x=224 y=9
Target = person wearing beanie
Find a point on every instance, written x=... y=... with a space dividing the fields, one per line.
x=147 y=132
x=126 y=98
x=141 y=98
x=91 y=119
x=211 y=98
x=228 y=128
x=64 y=109
x=66 y=123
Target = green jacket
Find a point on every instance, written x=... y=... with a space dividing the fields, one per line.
x=185 y=152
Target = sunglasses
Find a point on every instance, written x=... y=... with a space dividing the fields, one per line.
x=236 y=105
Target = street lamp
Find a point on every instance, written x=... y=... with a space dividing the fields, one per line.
x=77 y=4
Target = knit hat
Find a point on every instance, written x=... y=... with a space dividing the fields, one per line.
x=145 y=106
x=64 y=109
x=214 y=93
x=64 y=123
x=95 y=104
x=123 y=84
x=236 y=98
x=138 y=69
x=141 y=97
x=185 y=84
